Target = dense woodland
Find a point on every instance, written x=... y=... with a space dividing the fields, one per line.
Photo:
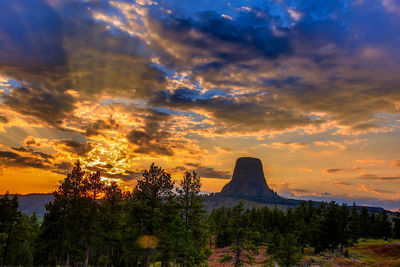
x=93 y=223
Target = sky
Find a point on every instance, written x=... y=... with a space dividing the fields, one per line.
x=310 y=87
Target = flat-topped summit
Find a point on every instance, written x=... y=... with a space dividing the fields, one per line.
x=248 y=180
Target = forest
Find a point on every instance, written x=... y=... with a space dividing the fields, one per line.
x=94 y=223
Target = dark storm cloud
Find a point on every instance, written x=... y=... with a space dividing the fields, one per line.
x=207 y=172
x=98 y=126
x=43 y=155
x=63 y=167
x=322 y=59
x=219 y=40
x=153 y=137
x=236 y=114
x=75 y=147
x=4 y=119
x=50 y=50
x=106 y=171
x=47 y=105
x=125 y=176
x=297 y=58
x=11 y=159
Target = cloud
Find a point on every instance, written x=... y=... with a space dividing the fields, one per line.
x=233 y=114
x=292 y=146
x=208 y=172
x=153 y=137
x=106 y=170
x=72 y=146
x=369 y=188
x=299 y=190
x=98 y=126
x=11 y=159
x=371 y=162
x=49 y=106
x=396 y=163
x=49 y=51
x=224 y=149
x=344 y=170
x=3 y=119
x=325 y=194
x=342 y=183
x=366 y=176
x=42 y=155
x=329 y=171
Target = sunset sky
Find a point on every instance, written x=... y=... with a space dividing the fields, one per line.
x=310 y=87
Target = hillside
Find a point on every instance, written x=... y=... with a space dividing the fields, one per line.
x=34 y=203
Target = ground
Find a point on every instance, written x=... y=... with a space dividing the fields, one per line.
x=370 y=253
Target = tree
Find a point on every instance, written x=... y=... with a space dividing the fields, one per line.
x=9 y=217
x=365 y=223
x=150 y=191
x=71 y=224
x=344 y=234
x=274 y=241
x=288 y=254
x=193 y=214
x=396 y=221
x=17 y=234
x=354 y=227
x=383 y=225
x=112 y=223
x=238 y=228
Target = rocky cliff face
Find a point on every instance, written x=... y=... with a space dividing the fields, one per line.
x=248 y=180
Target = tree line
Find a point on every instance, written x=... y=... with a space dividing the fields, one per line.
x=286 y=234
x=93 y=223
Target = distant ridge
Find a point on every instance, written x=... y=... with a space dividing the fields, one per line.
x=34 y=202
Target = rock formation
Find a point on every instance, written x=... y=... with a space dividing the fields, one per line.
x=248 y=181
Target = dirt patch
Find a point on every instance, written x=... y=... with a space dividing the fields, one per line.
x=389 y=250
x=248 y=258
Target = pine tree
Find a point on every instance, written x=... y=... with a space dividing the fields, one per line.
x=288 y=254
x=238 y=227
x=112 y=223
x=365 y=223
x=396 y=222
x=354 y=227
x=383 y=225
x=9 y=218
x=274 y=241
x=188 y=196
x=71 y=224
x=150 y=191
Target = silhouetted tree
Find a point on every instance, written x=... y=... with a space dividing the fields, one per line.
x=9 y=218
x=396 y=222
x=150 y=191
x=193 y=214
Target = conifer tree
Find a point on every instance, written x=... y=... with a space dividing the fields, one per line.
x=188 y=196
x=396 y=228
x=288 y=254
x=150 y=191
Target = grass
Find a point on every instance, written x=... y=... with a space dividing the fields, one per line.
x=377 y=252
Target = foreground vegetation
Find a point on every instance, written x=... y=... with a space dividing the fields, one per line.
x=92 y=223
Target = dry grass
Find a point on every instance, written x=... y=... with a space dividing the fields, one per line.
x=372 y=253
